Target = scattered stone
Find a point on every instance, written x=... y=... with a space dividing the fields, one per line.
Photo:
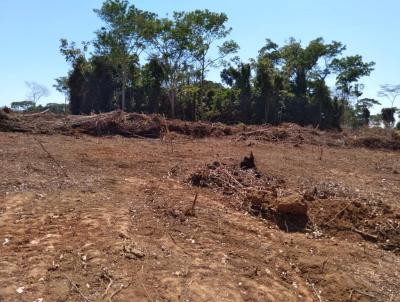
x=123 y=235
x=133 y=253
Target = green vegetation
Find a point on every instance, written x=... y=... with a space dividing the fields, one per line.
x=29 y=106
x=142 y=62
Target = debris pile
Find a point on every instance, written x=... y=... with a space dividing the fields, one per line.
x=111 y=123
x=155 y=126
x=325 y=209
x=286 y=132
x=375 y=138
x=118 y=123
x=328 y=189
x=9 y=123
x=376 y=143
x=235 y=179
x=260 y=194
x=373 y=221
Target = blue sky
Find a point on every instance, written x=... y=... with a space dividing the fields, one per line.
x=30 y=31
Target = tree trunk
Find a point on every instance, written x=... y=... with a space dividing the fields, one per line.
x=172 y=97
x=266 y=108
x=201 y=92
x=123 y=91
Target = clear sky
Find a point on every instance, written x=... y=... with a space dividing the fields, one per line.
x=30 y=31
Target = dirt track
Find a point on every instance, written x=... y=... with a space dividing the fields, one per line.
x=113 y=227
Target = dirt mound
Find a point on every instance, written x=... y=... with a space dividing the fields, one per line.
x=292 y=204
x=373 y=221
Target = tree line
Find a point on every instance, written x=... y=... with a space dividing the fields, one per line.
x=141 y=62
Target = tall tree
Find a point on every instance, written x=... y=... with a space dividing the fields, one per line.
x=61 y=86
x=206 y=29
x=171 y=47
x=152 y=78
x=363 y=107
x=240 y=79
x=388 y=116
x=349 y=70
x=268 y=83
x=77 y=77
x=123 y=38
x=301 y=65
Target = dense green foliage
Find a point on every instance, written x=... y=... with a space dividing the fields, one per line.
x=29 y=106
x=141 y=62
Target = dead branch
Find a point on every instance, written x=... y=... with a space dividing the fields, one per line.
x=191 y=211
x=122 y=287
x=364 y=293
x=168 y=135
x=337 y=215
x=315 y=290
x=366 y=235
x=111 y=281
x=38 y=113
x=77 y=289
x=51 y=156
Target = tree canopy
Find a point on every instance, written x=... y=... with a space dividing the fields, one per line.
x=147 y=63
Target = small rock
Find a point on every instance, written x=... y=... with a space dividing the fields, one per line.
x=123 y=235
x=20 y=290
x=133 y=253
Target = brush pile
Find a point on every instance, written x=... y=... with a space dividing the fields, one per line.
x=9 y=123
x=286 y=132
x=234 y=179
x=118 y=123
x=374 y=138
x=259 y=194
x=111 y=123
x=325 y=209
x=155 y=126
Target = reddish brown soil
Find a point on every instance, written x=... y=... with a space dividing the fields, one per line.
x=103 y=218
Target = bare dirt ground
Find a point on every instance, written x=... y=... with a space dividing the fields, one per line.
x=103 y=219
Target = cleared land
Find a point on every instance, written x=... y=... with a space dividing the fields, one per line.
x=107 y=218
